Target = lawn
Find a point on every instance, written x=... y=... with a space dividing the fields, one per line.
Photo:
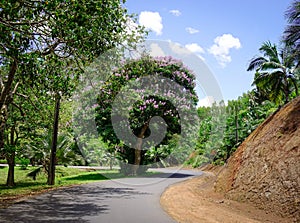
x=26 y=186
x=65 y=177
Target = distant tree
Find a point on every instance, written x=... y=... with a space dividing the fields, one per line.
x=224 y=128
x=274 y=76
x=210 y=134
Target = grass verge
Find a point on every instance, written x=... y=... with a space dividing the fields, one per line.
x=65 y=177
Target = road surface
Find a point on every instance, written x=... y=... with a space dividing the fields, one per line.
x=134 y=200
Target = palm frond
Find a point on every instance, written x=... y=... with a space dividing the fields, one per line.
x=293 y=12
x=289 y=59
x=33 y=174
x=277 y=93
x=270 y=51
x=256 y=62
x=270 y=65
x=262 y=80
x=271 y=84
x=277 y=75
x=291 y=34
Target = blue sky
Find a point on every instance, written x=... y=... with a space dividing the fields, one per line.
x=225 y=33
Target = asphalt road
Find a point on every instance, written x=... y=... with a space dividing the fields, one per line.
x=134 y=200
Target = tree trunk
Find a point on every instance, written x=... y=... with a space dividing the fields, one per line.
x=11 y=160
x=138 y=150
x=236 y=126
x=6 y=99
x=51 y=173
x=110 y=161
x=286 y=96
x=11 y=170
x=286 y=90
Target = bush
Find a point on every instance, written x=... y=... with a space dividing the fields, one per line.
x=24 y=162
x=3 y=162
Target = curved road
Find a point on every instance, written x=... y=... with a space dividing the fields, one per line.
x=131 y=200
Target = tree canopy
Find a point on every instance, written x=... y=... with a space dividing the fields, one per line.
x=46 y=44
x=133 y=98
x=274 y=76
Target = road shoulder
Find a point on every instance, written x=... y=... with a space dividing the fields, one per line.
x=195 y=201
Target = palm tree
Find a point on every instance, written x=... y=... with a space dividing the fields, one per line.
x=274 y=77
x=292 y=32
x=40 y=151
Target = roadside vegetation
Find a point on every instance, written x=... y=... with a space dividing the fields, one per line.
x=276 y=81
x=42 y=60
x=27 y=186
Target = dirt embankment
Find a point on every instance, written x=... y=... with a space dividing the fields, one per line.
x=260 y=182
x=265 y=170
x=196 y=201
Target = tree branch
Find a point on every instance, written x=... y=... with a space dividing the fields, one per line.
x=22 y=23
x=50 y=49
x=18 y=107
x=11 y=76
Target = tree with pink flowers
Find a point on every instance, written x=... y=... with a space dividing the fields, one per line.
x=145 y=105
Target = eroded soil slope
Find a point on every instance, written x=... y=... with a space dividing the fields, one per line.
x=265 y=170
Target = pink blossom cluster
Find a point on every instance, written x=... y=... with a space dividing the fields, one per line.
x=164 y=61
x=178 y=73
x=151 y=102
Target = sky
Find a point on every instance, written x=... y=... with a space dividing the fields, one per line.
x=225 y=34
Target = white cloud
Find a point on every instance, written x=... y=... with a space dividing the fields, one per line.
x=156 y=51
x=187 y=49
x=206 y=102
x=222 y=46
x=152 y=21
x=177 y=48
x=191 y=30
x=195 y=48
x=175 y=12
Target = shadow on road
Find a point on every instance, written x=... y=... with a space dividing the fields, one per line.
x=66 y=205
x=170 y=175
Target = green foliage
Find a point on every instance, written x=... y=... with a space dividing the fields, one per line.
x=44 y=46
x=24 y=162
x=291 y=33
x=145 y=106
x=39 y=150
x=173 y=151
x=96 y=152
x=275 y=76
x=276 y=81
x=221 y=132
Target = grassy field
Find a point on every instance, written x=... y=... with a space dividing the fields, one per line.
x=65 y=177
x=26 y=186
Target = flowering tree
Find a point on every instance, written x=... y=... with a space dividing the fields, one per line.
x=143 y=105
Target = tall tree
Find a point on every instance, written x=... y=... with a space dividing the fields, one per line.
x=274 y=75
x=22 y=124
x=32 y=32
x=134 y=96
